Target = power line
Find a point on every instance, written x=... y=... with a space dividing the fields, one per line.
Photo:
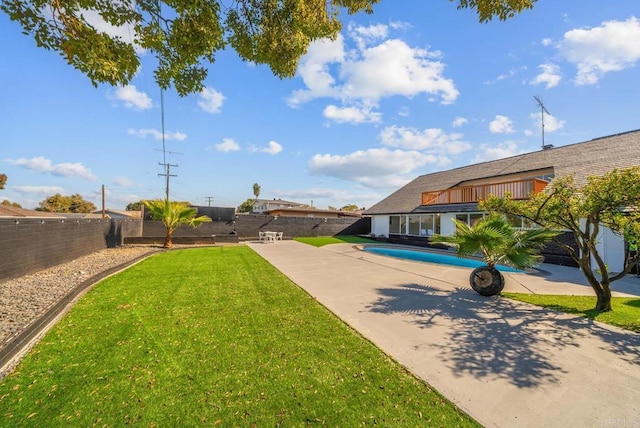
x=209 y=199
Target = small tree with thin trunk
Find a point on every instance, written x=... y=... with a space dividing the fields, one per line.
x=611 y=200
x=173 y=215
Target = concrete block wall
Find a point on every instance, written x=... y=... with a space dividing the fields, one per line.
x=246 y=227
x=29 y=245
x=557 y=254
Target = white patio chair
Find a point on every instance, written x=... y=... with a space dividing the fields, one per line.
x=279 y=236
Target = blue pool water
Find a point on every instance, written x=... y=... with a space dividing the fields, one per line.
x=426 y=256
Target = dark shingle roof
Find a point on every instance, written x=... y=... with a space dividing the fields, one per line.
x=594 y=157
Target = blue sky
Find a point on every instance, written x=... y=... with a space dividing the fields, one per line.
x=415 y=88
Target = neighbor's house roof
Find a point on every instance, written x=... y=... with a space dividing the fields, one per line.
x=312 y=212
x=594 y=157
x=276 y=201
x=7 y=211
x=134 y=215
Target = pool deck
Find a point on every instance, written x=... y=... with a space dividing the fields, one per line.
x=505 y=363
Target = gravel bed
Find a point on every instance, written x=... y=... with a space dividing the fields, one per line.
x=24 y=299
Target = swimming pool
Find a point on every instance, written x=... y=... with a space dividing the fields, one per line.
x=431 y=257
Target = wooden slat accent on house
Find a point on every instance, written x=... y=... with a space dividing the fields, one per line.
x=521 y=189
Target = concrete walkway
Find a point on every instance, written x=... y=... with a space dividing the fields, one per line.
x=505 y=363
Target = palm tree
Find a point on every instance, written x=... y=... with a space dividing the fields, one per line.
x=172 y=215
x=499 y=243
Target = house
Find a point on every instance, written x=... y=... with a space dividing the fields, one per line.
x=262 y=205
x=119 y=214
x=427 y=205
x=11 y=212
x=312 y=213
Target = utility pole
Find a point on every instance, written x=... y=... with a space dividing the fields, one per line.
x=167 y=175
x=104 y=213
x=209 y=199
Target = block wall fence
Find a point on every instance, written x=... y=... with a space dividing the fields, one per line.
x=29 y=245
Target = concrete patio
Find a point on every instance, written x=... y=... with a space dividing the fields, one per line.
x=506 y=363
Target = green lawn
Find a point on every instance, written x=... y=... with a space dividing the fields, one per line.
x=211 y=336
x=319 y=241
x=625 y=313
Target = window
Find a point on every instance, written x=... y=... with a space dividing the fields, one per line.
x=470 y=219
x=398 y=224
x=424 y=224
x=430 y=224
x=394 y=224
x=414 y=224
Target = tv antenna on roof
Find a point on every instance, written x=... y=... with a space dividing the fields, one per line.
x=543 y=110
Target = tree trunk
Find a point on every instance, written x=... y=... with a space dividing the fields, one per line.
x=168 y=243
x=604 y=298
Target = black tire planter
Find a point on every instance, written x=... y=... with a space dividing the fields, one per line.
x=486 y=281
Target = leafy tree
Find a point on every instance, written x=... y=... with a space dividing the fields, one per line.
x=134 y=206
x=186 y=35
x=246 y=206
x=11 y=204
x=350 y=207
x=66 y=204
x=3 y=180
x=256 y=190
x=610 y=200
x=499 y=243
x=173 y=215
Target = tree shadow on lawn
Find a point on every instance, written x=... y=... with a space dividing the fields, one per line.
x=497 y=337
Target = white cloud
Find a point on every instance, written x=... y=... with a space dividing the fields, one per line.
x=400 y=25
x=512 y=72
x=124 y=32
x=314 y=71
x=210 y=100
x=227 y=145
x=365 y=36
x=43 y=190
x=459 y=121
x=373 y=167
x=404 y=111
x=143 y=133
x=613 y=46
x=132 y=98
x=351 y=114
x=551 y=124
x=501 y=125
x=273 y=148
x=369 y=73
x=546 y=42
x=43 y=165
x=550 y=76
x=430 y=139
x=394 y=68
x=500 y=151
x=122 y=182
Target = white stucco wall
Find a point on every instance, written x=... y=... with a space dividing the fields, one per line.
x=447 y=226
x=611 y=249
x=380 y=225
